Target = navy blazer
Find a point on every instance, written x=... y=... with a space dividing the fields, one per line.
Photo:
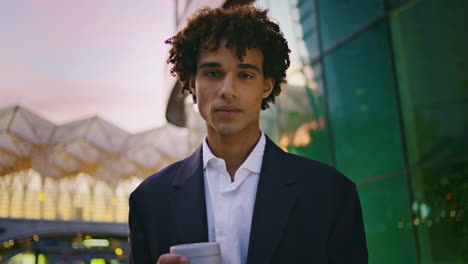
x=305 y=212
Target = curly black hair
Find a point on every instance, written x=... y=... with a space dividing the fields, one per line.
x=244 y=27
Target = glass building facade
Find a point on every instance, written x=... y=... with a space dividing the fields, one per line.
x=379 y=89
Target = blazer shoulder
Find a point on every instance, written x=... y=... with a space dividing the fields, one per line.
x=158 y=182
x=317 y=170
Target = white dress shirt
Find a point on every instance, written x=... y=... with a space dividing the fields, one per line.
x=229 y=205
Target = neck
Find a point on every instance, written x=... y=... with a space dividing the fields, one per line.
x=233 y=149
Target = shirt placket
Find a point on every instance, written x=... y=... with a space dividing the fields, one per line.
x=223 y=203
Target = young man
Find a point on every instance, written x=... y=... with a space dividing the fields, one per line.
x=238 y=188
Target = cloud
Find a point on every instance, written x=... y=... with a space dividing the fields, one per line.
x=61 y=101
x=55 y=24
x=73 y=59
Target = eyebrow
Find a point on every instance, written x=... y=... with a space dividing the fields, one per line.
x=210 y=65
x=218 y=65
x=249 y=66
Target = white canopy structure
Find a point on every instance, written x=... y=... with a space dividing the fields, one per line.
x=62 y=154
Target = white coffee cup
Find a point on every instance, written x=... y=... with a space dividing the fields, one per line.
x=199 y=253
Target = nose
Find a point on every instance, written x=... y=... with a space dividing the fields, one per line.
x=228 y=87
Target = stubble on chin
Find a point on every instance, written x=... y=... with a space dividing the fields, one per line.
x=226 y=129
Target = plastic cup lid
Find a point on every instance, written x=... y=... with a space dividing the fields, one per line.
x=196 y=249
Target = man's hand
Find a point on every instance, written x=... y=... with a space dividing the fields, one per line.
x=172 y=259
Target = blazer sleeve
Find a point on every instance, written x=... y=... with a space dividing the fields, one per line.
x=139 y=252
x=347 y=243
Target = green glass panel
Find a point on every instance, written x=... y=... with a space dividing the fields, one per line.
x=430 y=41
x=340 y=18
x=295 y=124
x=302 y=115
x=397 y=3
x=387 y=220
x=285 y=13
x=441 y=205
x=362 y=106
x=307 y=20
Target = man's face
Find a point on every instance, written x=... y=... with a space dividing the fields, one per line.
x=229 y=92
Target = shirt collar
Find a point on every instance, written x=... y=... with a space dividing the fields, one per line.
x=253 y=162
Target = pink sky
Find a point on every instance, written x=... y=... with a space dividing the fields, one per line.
x=68 y=60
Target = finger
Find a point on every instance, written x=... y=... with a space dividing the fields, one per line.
x=173 y=259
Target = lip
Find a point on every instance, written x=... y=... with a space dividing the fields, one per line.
x=227 y=111
x=227 y=108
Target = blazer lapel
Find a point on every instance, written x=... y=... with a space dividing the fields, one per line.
x=276 y=194
x=188 y=202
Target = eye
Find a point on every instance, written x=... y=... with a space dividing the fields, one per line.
x=245 y=75
x=212 y=74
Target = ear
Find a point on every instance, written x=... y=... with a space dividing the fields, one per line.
x=267 y=87
x=192 y=85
